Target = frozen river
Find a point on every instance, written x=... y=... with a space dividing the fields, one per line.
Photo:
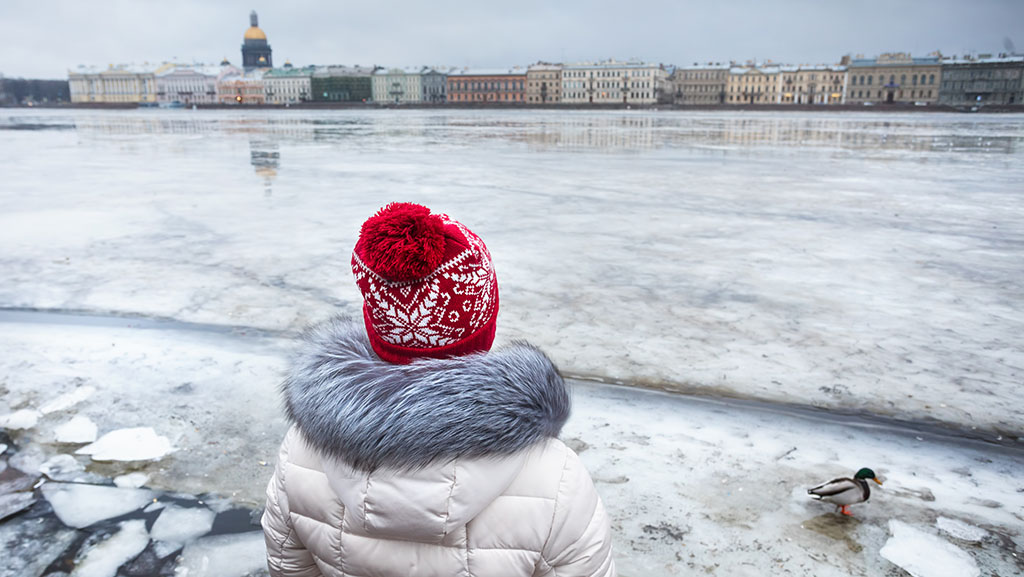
x=857 y=263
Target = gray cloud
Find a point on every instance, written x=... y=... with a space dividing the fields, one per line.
x=44 y=38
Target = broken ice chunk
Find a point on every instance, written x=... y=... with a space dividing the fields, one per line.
x=3 y=448
x=961 y=530
x=82 y=505
x=131 y=480
x=925 y=555
x=78 y=430
x=135 y=444
x=61 y=468
x=104 y=559
x=28 y=546
x=181 y=525
x=68 y=399
x=223 y=556
x=15 y=503
x=22 y=419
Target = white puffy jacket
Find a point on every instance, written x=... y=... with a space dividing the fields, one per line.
x=436 y=468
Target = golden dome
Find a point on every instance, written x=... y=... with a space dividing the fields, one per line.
x=254 y=33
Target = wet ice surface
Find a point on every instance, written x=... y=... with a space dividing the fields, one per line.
x=854 y=262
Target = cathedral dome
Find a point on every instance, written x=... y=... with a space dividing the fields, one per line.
x=254 y=33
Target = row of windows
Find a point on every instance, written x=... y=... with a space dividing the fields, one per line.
x=605 y=95
x=899 y=94
x=860 y=80
x=974 y=74
x=485 y=97
x=504 y=85
x=605 y=73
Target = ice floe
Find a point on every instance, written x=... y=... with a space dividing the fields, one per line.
x=15 y=503
x=62 y=468
x=925 y=555
x=29 y=546
x=103 y=559
x=223 y=556
x=961 y=530
x=20 y=419
x=68 y=400
x=80 y=429
x=79 y=505
x=181 y=525
x=133 y=444
x=131 y=480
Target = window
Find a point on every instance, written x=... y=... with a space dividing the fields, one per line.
x=931 y=79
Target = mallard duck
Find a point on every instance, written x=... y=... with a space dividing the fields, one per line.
x=845 y=491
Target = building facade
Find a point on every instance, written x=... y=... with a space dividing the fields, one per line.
x=544 y=83
x=121 y=84
x=753 y=85
x=894 y=78
x=242 y=87
x=288 y=85
x=812 y=85
x=977 y=82
x=487 y=85
x=398 y=85
x=699 y=84
x=342 y=84
x=256 y=51
x=190 y=84
x=434 y=82
x=612 y=82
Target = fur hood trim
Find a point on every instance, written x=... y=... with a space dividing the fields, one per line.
x=352 y=406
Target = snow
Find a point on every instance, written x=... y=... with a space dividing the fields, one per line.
x=132 y=444
x=180 y=525
x=104 y=559
x=131 y=480
x=21 y=419
x=80 y=505
x=925 y=555
x=223 y=556
x=961 y=530
x=79 y=429
x=68 y=400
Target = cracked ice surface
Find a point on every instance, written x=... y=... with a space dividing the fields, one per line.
x=861 y=261
x=106 y=557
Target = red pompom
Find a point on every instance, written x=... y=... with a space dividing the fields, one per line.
x=403 y=241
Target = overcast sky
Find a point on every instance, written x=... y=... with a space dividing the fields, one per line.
x=44 y=38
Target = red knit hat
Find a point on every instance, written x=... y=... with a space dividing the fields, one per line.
x=429 y=288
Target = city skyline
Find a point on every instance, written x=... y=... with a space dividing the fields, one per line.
x=46 y=40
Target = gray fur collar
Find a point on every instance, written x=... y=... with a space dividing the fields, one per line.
x=369 y=413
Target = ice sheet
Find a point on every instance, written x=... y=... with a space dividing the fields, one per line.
x=223 y=556
x=80 y=505
x=181 y=525
x=132 y=444
x=104 y=559
x=20 y=419
x=80 y=429
x=925 y=555
x=862 y=261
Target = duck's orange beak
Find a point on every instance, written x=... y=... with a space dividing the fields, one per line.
x=875 y=479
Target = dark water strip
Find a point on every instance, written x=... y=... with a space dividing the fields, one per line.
x=1008 y=442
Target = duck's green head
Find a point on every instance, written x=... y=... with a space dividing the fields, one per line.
x=866 y=473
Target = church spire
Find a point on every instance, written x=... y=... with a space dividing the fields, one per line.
x=253 y=19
